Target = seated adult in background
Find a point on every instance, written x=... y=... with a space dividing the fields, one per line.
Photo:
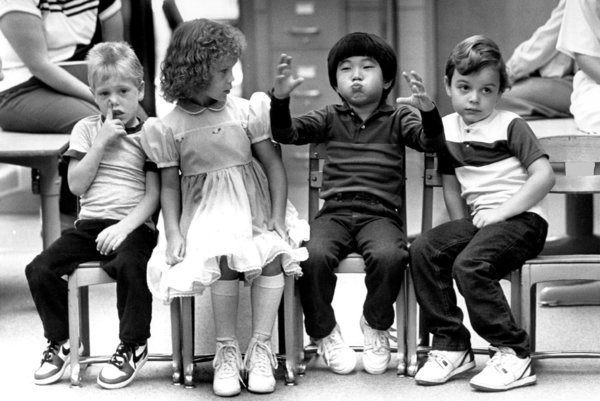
x=579 y=38
x=37 y=95
x=540 y=75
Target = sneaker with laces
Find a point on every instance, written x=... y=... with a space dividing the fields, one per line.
x=376 y=352
x=340 y=358
x=442 y=365
x=227 y=365
x=260 y=363
x=504 y=371
x=122 y=367
x=55 y=360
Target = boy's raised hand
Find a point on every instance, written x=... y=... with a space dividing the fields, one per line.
x=419 y=97
x=285 y=83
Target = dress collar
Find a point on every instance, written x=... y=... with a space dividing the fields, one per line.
x=191 y=107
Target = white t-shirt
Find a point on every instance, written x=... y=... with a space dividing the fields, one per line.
x=580 y=33
x=67 y=23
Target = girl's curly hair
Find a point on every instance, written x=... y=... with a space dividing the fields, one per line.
x=196 y=47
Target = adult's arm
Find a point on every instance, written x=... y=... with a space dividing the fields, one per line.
x=25 y=34
x=590 y=65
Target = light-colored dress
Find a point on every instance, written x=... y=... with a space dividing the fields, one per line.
x=225 y=196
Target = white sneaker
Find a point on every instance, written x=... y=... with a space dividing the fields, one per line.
x=227 y=364
x=504 y=371
x=340 y=358
x=376 y=352
x=260 y=363
x=442 y=365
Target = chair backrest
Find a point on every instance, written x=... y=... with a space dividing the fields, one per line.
x=576 y=163
x=316 y=159
x=574 y=158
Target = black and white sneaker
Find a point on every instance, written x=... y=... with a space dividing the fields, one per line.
x=123 y=365
x=55 y=360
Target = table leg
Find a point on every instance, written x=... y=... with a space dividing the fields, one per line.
x=49 y=193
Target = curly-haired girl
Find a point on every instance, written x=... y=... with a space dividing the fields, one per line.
x=228 y=214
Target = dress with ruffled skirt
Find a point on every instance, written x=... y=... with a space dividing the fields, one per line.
x=225 y=196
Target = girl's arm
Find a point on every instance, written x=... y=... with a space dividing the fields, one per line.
x=111 y=237
x=455 y=204
x=270 y=159
x=540 y=182
x=170 y=200
x=25 y=34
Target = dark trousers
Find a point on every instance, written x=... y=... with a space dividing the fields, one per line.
x=362 y=225
x=127 y=265
x=477 y=259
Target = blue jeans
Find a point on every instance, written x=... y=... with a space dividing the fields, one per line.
x=127 y=265
x=477 y=259
x=366 y=226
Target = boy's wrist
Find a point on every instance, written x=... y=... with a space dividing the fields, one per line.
x=278 y=97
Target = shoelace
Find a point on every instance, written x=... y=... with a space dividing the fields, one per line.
x=379 y=340
x=52 y=349
x=228 y=360
x=330 y=344
x=260 y=358
x=120 y=356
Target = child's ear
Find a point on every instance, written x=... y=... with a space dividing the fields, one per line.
x=387 y=85
x=141 y=91
x=447 y=85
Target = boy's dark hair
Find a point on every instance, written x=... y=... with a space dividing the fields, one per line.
x=364 y=44
x=473 y=54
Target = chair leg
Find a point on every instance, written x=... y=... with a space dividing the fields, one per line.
x=527 y=294
x=401 y=312
x=412 y=328
x=187 y=347
x=291 y=352
x=74 y=329
x=176 y=341
x=515 y=296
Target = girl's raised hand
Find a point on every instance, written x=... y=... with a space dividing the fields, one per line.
x=419 y=97
x=285 y=83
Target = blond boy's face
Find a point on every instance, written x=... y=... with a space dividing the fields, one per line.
x=474 y=96
x=121 y=96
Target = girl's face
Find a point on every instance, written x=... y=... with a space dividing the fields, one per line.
x=122 y=95
x=474 y=96
x=220 y=84
x=360 y=81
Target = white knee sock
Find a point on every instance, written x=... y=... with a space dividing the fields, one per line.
x=225 y=295
x=266 y=295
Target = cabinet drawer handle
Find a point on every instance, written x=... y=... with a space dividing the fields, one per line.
x=304 y=30
x=312 y=93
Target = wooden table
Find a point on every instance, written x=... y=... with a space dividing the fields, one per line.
x=42 y=152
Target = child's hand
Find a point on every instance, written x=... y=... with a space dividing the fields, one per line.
x=278 y=225
x=285 y=83
x=486 y=217
x=419 y=98
x=175 y=249
x=110 y=238
x=111 y=129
